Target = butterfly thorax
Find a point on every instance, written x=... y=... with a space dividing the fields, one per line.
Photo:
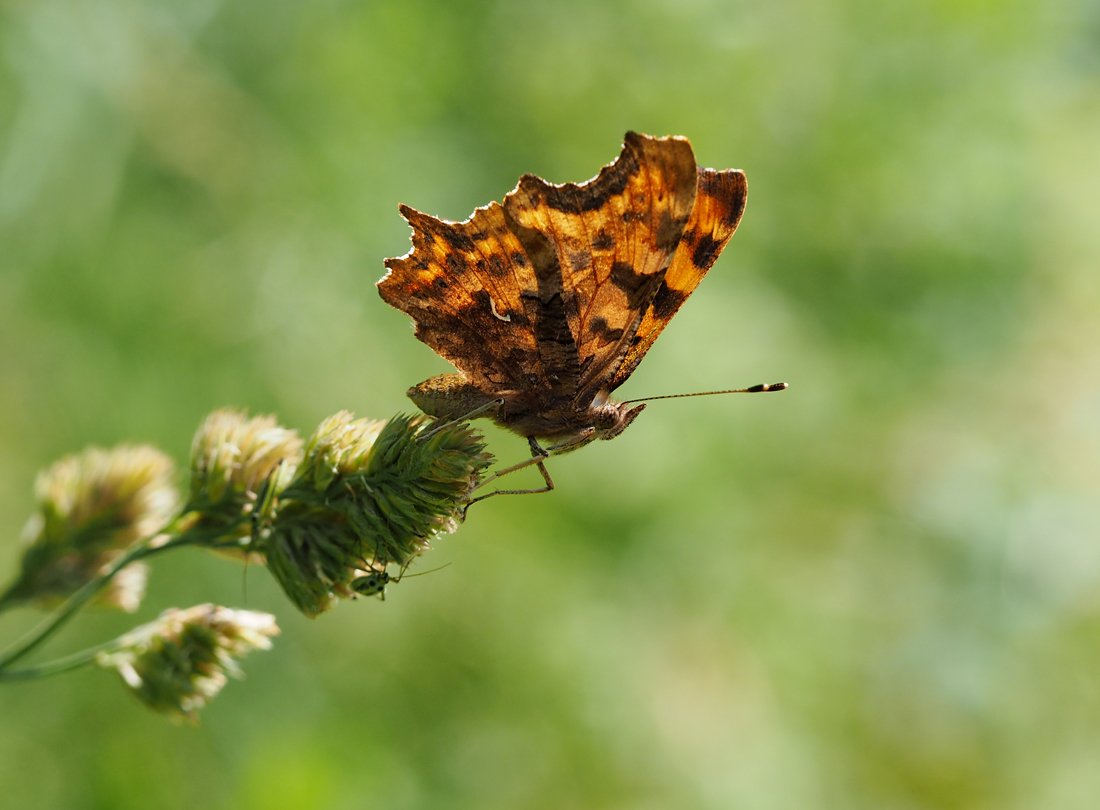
x=562 y=422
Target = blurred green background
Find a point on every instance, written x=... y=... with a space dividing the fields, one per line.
x=880 y=589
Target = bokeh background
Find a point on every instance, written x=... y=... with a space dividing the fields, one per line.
x=880 y=589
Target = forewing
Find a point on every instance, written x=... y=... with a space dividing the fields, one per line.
x=604 y=246
x=719 y=203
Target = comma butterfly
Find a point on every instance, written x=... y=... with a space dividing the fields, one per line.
x=547 y=302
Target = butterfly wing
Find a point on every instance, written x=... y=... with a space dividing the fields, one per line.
x=603 y=247
x=719 y=204
x=472 y=293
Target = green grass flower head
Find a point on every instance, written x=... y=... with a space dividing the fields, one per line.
x=367 y=495
x=90 y=508
x=180 y=662
x=233 y=458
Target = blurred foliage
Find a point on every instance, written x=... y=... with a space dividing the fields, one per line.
x=880 y=589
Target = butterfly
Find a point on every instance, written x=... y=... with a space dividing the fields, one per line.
x=548 y=301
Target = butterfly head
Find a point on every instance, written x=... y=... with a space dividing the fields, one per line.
x=612 y=418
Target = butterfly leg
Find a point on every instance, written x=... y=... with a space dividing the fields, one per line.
x=538 y=456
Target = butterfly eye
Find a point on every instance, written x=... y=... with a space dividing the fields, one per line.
x=616 y=418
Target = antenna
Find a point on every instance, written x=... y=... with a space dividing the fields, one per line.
x=752 y=389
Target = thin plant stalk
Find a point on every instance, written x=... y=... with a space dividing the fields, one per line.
x=61 y=616
x=66 y=663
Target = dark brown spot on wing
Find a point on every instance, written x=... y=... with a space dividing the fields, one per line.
x=665 y=304
x=669 y=229
x=603 y=240
x=580 y=259
x=457 y=240
x=627 y=279
x=604 y=331
x=706 y=251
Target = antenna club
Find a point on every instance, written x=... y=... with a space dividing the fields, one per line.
x=780 y=386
